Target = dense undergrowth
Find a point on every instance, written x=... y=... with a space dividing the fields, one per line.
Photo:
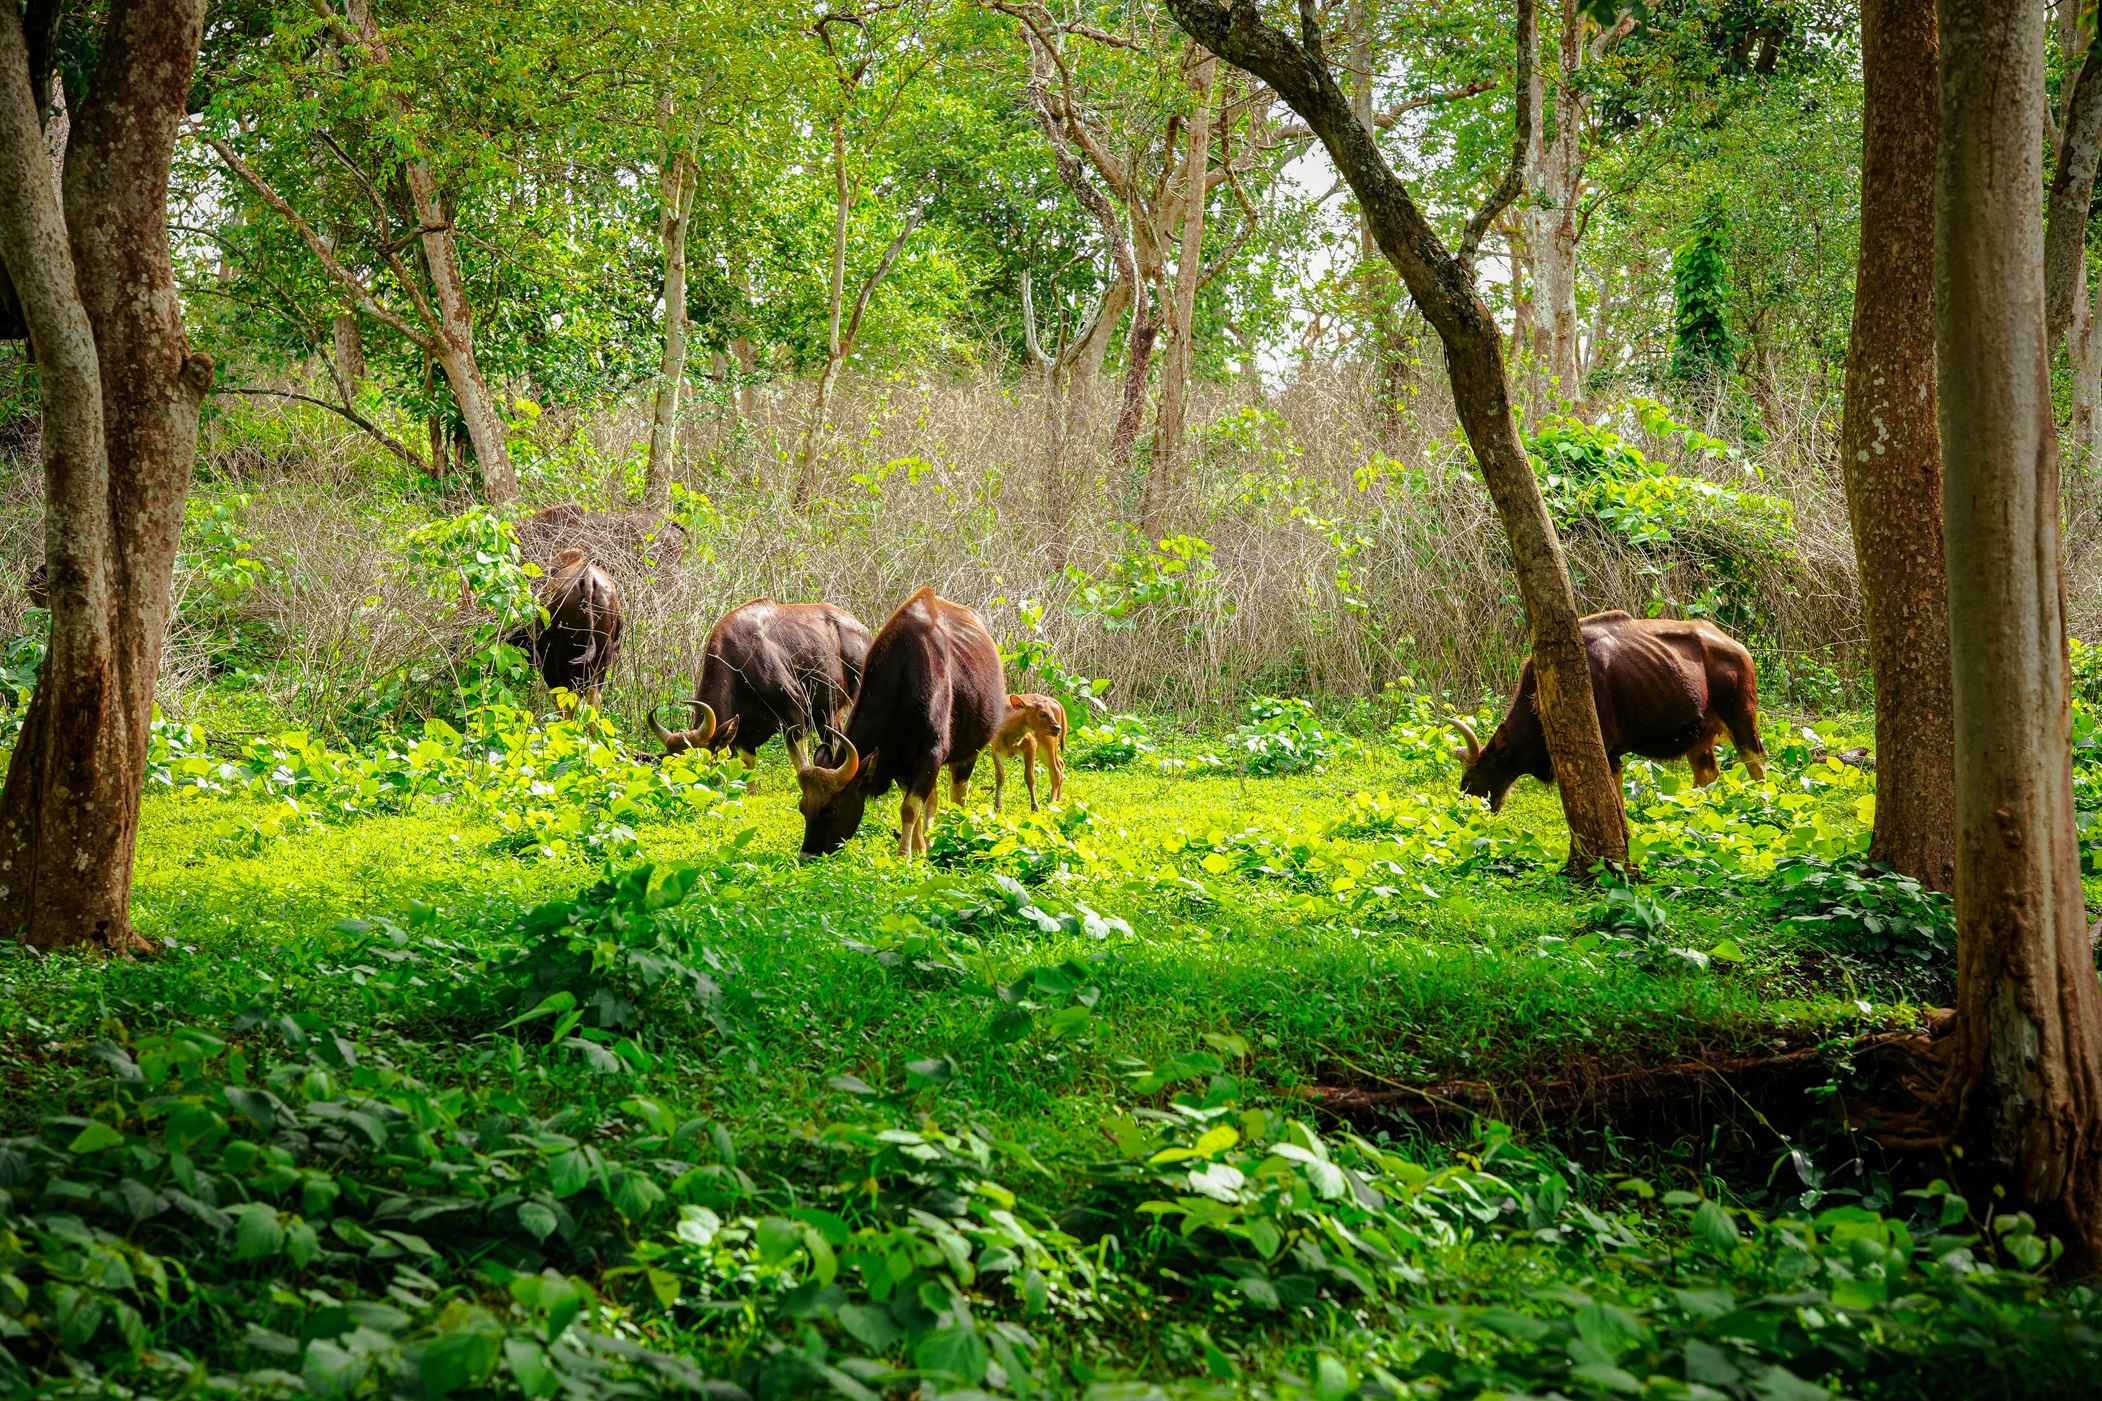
x=415 y=1104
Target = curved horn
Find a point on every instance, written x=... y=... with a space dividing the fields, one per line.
x=834 y=778
x=674 y=742
x=1474 y=746
x=703 y=722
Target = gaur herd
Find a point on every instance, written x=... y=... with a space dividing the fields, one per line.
x=929 y=692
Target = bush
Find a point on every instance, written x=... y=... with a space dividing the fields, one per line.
x=1848 y=905
x=1111 y=746
x=1281 y=737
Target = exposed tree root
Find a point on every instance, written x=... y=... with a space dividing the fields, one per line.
x=1897 y=1075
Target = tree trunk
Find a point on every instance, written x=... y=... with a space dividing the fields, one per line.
x=1164 y=467
x=1553 y=177
x=1890 y=447
x=121 y=394
x=485 y=427
x=806 y=460
x=1091 y=345
x=2072 y=189
x=747 y=360
x=349 y=349
x=1444 y=288
x=2084 y=359
x=680 y=181
x=2027 y=1083
x=1138 y=362
x=1386 y=336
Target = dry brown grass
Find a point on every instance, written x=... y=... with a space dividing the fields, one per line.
x=941 y=481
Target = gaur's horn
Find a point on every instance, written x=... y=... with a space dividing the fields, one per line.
x=1474 y=746
x=833 y=778
x=679 y=742
x=703 y=722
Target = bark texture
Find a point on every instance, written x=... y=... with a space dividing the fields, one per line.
x=2028 y=1079
x=1443 y=286
x=121 y=399
x=1890 y=447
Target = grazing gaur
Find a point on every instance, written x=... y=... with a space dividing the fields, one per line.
x=1034 y=725
x=770 y=667
x=580 y=641
x=1665 y=688
x=932 y=696
x=544 y=535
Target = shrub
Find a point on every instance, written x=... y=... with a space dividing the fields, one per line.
x=1281 y=737
x=1110 y=746
x=1849 y=905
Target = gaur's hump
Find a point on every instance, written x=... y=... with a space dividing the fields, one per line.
x=923 y=604
x=1611 y=615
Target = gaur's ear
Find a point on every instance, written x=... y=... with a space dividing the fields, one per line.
x=1013 y=699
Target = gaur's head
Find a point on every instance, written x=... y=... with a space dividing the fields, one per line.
x=1036 y=715
x=1489 y=770
x=678 y=741
x=833 y=797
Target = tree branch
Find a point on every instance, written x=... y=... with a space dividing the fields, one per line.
x=1385 y=121
x=861 y=303
x=1514 y=174
x=318 y=246
x=342 y=410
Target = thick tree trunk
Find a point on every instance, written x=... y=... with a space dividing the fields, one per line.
x=1164 y=467
x=679 y=184
x=1444 y=288
x=2028 y=1076
x=121 y=399
x=1890 y=447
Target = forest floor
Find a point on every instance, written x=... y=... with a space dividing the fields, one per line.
x=544 y=1071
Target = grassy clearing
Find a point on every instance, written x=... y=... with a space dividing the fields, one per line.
x=408 y=1110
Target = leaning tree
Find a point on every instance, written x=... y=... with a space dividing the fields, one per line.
x=1442 y=281
x=90 y=284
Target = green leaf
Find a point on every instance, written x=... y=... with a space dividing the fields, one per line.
x=1712 y=1226
x=568 y=1173
x=456 y=1360
x=256 y=1104
x=529 y=1367
x=94 y=1138
x=538 y=1219
x=779 y=1238
x=258 y=1235
x=1009 y=1024
x=870 y=1326
x=959 y=1352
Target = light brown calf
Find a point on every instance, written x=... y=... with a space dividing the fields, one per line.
x=1034 y=725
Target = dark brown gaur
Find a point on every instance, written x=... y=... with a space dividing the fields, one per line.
x=1666 y=689
x=768 y=668
x=578 y=644
x=932 y=696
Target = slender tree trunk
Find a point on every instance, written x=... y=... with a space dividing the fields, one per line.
x=2072 y=189
x=747 y=360
x=349 y=353
x=821 y=402
x=485 y=427
x=679 y=184
x=1387 y=338
x=1164 y=468
x=1138 y=362
x=1091 y=346
x=1890 y=447
x=2084 y=359
x=2028 y=1075
x=121 y=398
x=1444 y=287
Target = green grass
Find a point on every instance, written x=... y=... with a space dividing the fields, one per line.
x=1047 y=1005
